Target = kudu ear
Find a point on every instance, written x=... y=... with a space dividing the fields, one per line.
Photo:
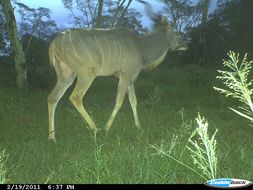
x=158 y=19
x=164 y=22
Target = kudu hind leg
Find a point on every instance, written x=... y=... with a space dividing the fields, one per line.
x=76 y=99
x=133 y=102
x=53 y=99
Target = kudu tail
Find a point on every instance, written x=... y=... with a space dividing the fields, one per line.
x=51 y=55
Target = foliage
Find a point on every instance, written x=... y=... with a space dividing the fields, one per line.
x=38 y=67
x=236 y=17
x=237 y=82
x=203 y=150
x=36 y=28
x=36 y=22
x=230 y=26
x=131 y=19
x=115 y=13
x=182 y=13
x=4 y=38
x=16 y=47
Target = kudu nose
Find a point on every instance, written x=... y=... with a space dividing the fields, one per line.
x=184 y=47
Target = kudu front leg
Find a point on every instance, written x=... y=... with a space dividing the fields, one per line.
x=122 y=88
x=133 y=102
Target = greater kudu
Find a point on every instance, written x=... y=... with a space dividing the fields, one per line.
x=86 y=54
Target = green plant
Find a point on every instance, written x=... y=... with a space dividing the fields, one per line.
x=238 y=84
x=178 y=161
x=203 y=149
x=98 y=168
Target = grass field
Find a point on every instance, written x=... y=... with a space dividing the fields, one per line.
x=169 y=99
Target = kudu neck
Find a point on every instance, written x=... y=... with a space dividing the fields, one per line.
x=155 y=47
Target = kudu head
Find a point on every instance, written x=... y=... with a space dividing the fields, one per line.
x=174 y=39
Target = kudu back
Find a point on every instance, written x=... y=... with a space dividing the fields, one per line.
x=85 y=54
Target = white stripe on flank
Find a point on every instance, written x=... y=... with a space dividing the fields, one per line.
x=100 y=49
x=73 y=46
x=116 y=50
x=63 y=38
x=84 y=47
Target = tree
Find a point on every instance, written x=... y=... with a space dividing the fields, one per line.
x=88 y=10
x=120 y=15
x=16 y=46
x=103 y=13
x=37 y=62
x=229 y=27
x=204 y=17
x=36 y=22
x=36 y=29
x=119 y=12
x=4 y=39
x=182 y=14
x=99 y=15
x=236 y=18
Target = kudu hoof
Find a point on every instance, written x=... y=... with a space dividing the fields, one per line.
x=52 y=139
x=105 y=131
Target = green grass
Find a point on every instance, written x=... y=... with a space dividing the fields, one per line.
x=125 y=154
x=3 y=158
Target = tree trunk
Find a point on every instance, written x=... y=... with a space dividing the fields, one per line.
x=125 y=10
x=99 y=15
x=204 y=18
x=16 y=46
